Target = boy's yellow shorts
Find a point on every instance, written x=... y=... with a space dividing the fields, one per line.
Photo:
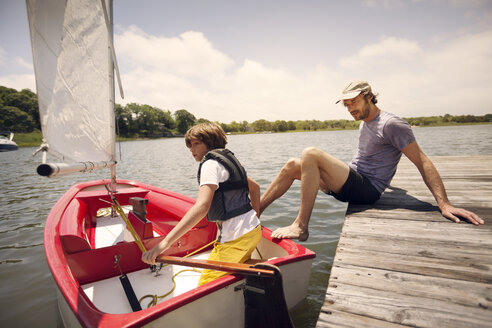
x=236 y=251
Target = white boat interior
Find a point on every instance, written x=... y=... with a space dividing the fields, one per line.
x=109 y=296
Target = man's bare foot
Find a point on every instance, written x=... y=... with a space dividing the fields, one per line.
x=291 y=232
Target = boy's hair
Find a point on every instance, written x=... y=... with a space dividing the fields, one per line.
x=209 y=133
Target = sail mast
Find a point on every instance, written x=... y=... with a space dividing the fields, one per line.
x=108 y=16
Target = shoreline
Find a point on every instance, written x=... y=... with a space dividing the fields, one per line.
x=34 y=139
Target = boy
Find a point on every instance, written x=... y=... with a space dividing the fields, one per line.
x=226 y=196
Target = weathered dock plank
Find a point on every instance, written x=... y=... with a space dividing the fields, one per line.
x=400 y=263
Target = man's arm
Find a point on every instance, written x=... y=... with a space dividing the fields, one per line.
x=434 y=182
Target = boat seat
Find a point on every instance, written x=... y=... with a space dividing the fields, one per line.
x=72 y=232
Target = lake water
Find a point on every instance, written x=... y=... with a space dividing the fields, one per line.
x=27 y=290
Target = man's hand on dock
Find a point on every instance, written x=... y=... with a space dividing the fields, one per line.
x=454 y=214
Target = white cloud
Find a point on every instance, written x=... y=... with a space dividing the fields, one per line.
x=3 y=58
x=448 y=77
x=22 y=63
x=189 y=55
x=465 y=3
x=390 y=4
x=386 y=4
x=16 y=81
x=188 y=72
x=387 y=51
x=19 y=81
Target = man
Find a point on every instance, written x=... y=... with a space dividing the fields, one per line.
x=383 y=138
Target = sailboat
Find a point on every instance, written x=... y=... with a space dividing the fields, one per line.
x=95 y=233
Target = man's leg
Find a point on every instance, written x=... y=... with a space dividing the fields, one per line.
x=319 y=170
x=289 y=172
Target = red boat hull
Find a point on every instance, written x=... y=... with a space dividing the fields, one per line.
x=74 y=260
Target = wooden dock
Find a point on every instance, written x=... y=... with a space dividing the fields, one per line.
x=399 y=263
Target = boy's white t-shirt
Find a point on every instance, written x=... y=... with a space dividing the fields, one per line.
x=212 y=172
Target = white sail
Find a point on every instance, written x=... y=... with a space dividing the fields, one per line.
x=74 y=78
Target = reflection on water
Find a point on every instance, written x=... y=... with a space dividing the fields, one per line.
x=26 y=199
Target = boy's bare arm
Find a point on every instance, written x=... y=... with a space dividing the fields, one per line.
x=254 y=195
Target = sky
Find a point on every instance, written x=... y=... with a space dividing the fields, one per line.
x=227 y=60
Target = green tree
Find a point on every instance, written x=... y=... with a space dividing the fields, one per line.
x=279 y=126
x=291 y=125
x=4 y=92
x=25 y=100
x=135 y=120
x=123 y=120
x=132 y=110
x=202 y=120
x=16 y=120
x=262 y=125
x=147 y=117
x=165 y=120
x=235 y=126
x=315 y=125
x=184 y=120
x=226 y=127
x=244 y=126
x=302 y=125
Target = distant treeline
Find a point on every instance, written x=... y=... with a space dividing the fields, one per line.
x=448 y=119
x=19 y=113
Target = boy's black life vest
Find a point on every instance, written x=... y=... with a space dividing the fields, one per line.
x=232 y=197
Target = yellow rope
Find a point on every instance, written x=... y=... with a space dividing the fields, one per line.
x=116 y=205
x=129 y=225
x=155 y=298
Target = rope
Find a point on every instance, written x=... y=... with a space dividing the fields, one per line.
x=116 y=205
x=155 y=298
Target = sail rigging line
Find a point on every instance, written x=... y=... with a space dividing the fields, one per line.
x=111 y=45
x=118 y=134
x=154 y=298
x=122 y=214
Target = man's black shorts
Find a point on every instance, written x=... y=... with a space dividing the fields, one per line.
x=357 y=190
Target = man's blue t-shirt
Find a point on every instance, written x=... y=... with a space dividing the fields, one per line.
x=379 y=150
